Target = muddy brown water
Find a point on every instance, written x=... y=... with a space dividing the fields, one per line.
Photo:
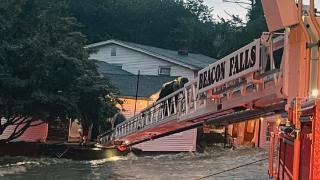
x=215 y=164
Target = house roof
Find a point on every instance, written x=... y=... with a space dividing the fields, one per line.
x=104 y=67
x=127 y=82
x=191 y=61
x=148 y=85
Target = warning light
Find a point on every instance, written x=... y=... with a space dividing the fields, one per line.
x=315 y=93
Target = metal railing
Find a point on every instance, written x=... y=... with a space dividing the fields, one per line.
x=187 y=101
x=176 y=104
x=183 y=103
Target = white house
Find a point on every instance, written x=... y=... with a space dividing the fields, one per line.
x=149 y=60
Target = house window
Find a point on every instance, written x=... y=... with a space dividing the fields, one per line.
x=113 y=51
x=164 y=71
x=268 y=131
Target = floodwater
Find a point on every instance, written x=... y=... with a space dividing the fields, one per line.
x=217 y=164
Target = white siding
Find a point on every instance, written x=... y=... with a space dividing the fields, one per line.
x=181 y=71
x=133 y=61
x=184 y=141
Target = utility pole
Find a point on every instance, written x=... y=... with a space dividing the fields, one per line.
x=137 y=90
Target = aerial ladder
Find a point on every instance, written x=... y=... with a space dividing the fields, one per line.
x=249 y=83
x=245 y=84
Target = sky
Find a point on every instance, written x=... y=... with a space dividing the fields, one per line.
x=219 y=8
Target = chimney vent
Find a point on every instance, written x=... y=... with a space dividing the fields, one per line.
x=183 y=48
x=183 y=51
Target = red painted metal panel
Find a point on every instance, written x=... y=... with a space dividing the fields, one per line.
x=289 y=161
x=281 y=158
x=286 y=160
x=305 y=150
x=315 y=165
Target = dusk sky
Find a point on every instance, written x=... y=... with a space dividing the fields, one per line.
x=220 y=7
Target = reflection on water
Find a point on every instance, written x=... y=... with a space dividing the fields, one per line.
x=148 y=167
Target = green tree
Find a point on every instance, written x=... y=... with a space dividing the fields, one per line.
x=233 y=34
x=256 y=21
x=45 y=73
x=165 y=23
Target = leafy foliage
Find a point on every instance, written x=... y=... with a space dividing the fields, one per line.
x=45 y=73
x=168 y=24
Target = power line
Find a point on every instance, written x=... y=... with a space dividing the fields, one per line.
x=243 y=165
